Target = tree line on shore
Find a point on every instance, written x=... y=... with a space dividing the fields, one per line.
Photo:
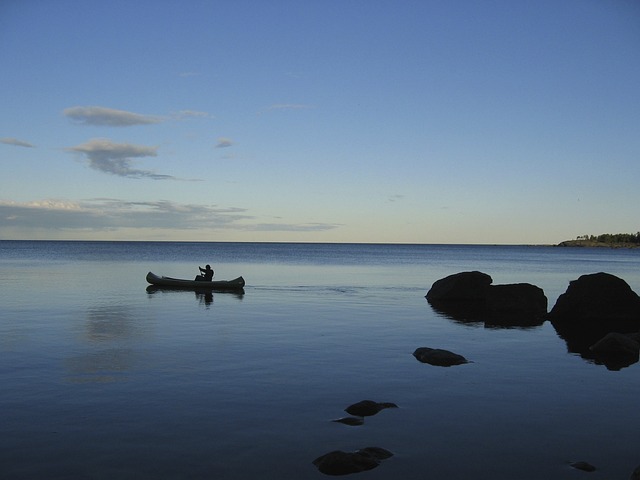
x=611 y=238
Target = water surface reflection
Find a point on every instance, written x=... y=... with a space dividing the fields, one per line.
x=204 y=296
x=106 y=353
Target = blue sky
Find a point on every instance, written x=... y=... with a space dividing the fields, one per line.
x=459 y=121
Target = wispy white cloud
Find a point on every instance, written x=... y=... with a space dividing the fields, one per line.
x=116 y=158
x=102 y=214
x=15 y=142
x=224 y=142
x=108 y=214
x=110 y=117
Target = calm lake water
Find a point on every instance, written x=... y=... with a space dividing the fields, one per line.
x=101 y=379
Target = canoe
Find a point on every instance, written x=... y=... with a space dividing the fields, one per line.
x=231 y=285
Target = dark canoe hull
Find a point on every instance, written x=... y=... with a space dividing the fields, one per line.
x=235 y=285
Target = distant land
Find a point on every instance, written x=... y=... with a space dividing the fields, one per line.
x=609 y=240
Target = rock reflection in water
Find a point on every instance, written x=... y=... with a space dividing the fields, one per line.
x=473 y=312
x=581 y=339
x=346 y=463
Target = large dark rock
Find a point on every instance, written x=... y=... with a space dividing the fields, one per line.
x=345 y=463
x=515 y=305
x=521 y=298
x=592 y=307
x=597 y=297
x=464 y=286
x=470 y=297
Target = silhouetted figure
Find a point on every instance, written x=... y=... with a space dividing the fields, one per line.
x=207 y=274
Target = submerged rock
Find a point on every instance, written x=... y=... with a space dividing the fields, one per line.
x=615 y=343
x=438 y=357
x=367 y=408
x=617 y=350
x=345 y=463
x=376 y=452
x=584 y=466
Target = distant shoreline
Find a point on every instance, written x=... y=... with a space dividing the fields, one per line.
x=566 y=243
x=592 y=244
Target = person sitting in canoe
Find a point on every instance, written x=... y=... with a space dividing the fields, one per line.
x=207 y=274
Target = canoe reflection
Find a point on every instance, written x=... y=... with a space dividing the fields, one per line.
x=203 y=295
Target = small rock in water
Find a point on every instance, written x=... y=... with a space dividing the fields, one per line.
x=617 y=344
x=438 y=357
x=584 y=466
x=367 y=408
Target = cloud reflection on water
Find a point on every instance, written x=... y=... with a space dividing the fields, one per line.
x=106 y=355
